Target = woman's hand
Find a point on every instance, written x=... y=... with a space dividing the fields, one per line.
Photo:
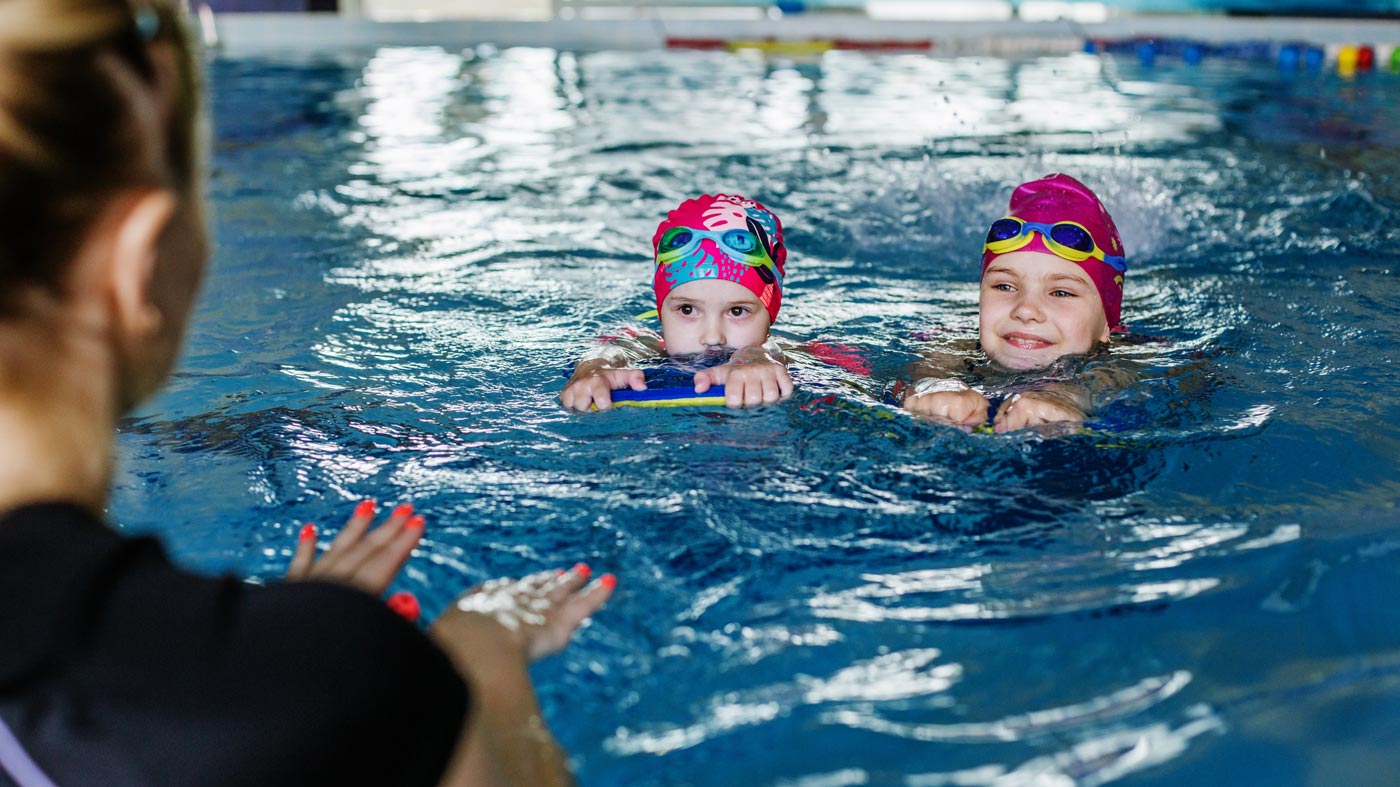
x=1034 y=408
x=750 y=378
x=360 y=557
x=594 y=381
x=535 y=615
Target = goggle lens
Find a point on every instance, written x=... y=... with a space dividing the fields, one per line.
x=1003 y=229
x=1072 y=236
x=742 y=241
x=677 y=238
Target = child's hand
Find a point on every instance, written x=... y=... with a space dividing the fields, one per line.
x=593 y=383
x=1034 y=408
x=950 y=402
x=360 y=557
x=751 y=377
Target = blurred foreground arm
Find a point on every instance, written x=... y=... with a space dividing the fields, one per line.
x=491 y=634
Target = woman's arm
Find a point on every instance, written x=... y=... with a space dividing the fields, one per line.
x=491 y=634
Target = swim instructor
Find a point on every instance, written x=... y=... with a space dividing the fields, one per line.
x=116 y=668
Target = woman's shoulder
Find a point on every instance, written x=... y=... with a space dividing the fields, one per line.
x=178 y=671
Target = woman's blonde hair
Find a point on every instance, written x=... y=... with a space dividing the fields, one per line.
x=71 y=134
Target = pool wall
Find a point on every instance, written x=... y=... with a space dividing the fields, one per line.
x=259 y=34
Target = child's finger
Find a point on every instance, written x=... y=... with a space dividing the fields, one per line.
x=305 y=553
x=753 y=393
x=635 y=379
x=602 y=399
x=734 y=394
x=704 y=379
x=772 y=390
x=784 y=383
x=355 y=526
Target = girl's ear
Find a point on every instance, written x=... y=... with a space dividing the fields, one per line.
x=131 y=261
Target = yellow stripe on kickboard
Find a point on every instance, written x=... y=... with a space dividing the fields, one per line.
x=693 y=401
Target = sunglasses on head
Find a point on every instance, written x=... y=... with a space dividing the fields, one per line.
x=680 y=241
x=1066 y=239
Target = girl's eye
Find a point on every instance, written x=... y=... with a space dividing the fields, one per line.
x=1003 y=286
x=686 y=309
x=738 y=311
x=1062 y=294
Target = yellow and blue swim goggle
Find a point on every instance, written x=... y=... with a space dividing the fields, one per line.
x=1067 y=239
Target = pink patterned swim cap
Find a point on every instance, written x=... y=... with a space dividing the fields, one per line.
x=726 y=237
x=1060 y=198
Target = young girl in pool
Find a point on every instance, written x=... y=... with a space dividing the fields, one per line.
x=719 y=282
x=1051 y=296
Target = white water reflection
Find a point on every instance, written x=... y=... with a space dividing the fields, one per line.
x=1096 y=760
x=1115 y=705
x=892 y=676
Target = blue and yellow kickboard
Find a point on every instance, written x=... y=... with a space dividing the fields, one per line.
x=671 y=396
x=670 y=385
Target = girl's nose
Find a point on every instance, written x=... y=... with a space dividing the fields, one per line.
x=713 y=333
x=1028 y=309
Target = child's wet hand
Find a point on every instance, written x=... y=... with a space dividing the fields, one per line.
x=1034 y=408
x=963 y=407
x=592 y=386
x=750 y=379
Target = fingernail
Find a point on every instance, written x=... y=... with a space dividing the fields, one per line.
x=416 y=522
x=365 y=508
x=608 y=581
x=308 y=532
x=582 y=569
x=406 y=605
x=403 y=510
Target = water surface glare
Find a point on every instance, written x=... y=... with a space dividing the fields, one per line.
x=413 y=243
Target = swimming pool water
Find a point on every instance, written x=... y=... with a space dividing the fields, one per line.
x=414 y=243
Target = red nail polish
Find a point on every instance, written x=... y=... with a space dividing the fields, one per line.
x=608 y=581
x=582 y=569
x=365 y=508
x=416 y=522
x=406 y=605
x=403 y=509
x=308 y=532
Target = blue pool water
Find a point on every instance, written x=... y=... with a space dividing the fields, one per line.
x=413 y=243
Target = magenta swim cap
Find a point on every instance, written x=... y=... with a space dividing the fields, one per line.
x=1061 y=198
x=724 y=236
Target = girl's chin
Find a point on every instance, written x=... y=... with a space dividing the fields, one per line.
x=1022 y=362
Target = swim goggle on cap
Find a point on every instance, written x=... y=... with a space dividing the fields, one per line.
x=1059 y=215
x=722 y=236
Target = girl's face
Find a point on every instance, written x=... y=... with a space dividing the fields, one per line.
x=712 y=315
x=1036 y=307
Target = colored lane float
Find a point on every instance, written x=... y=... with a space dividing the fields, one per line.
x=1348 y=60
x=800 y=47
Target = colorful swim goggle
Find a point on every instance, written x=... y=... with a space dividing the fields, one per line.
x=680 y=242
x=1065 y=238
